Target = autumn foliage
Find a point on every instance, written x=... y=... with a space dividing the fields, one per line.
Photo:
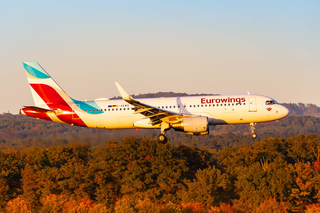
x=140 y=175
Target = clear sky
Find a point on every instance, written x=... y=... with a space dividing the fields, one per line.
x=224 y=47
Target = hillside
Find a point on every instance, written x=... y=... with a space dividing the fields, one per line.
x=18 y=131
x=303 y=109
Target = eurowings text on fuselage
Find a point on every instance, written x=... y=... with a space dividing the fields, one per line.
x=191 y=114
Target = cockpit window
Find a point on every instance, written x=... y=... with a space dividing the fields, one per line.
x=271 y=102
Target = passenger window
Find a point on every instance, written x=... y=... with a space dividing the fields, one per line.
x=108 y=109
x=89 y=110
x=201 y=105
x=228 y=104
x=170 y=107
x=93 y=110
x=213 y=105
x=120 y=109
x=112 y=109
x=244 y=103
x=198 y=105
x=86 y=110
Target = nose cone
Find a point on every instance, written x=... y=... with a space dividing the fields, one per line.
x=284 y=111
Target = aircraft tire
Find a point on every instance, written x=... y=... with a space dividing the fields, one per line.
x=254 y=135
x=162 y=139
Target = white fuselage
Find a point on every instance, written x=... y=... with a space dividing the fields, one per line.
x=231 y=109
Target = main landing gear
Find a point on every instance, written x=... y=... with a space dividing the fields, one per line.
x=162 y=138
x=253 y=134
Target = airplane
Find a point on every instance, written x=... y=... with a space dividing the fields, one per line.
x=190 y=114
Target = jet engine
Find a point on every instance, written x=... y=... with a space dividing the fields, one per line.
x=192 y=125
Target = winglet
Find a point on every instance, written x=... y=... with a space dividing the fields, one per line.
x=123 y=93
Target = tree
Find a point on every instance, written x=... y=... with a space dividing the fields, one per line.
x=207 y=188
x=18 y=205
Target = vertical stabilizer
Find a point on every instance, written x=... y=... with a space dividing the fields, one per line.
x=51 y=102
x=45 y=91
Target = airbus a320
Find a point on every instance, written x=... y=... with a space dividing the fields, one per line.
x=190 y=114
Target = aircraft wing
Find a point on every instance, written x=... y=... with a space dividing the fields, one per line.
x=156 y=115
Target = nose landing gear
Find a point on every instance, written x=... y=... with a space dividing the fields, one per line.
x=162 y=138
x=253 y=134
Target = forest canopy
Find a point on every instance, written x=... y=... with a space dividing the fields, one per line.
x=140 y=175
x=18 y=131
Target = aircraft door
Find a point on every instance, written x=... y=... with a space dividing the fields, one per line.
x=252 y=104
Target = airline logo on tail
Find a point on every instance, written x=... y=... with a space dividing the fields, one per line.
x=51 y=102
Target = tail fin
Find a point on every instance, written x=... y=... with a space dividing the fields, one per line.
x=51 y=102
x=45 y=91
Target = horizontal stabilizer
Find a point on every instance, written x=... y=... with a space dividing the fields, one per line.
x=38 y=108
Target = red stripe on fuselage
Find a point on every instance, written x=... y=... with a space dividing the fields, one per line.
x=52 y=98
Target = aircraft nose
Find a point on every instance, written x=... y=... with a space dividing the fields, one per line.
x=284 y=111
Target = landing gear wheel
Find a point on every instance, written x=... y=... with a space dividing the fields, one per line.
x=162 y=139
x=252 y=128
x=253 y=135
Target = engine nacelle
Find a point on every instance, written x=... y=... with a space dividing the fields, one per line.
x=193 y=125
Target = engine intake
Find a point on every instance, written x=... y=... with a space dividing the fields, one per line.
x=193 y=125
